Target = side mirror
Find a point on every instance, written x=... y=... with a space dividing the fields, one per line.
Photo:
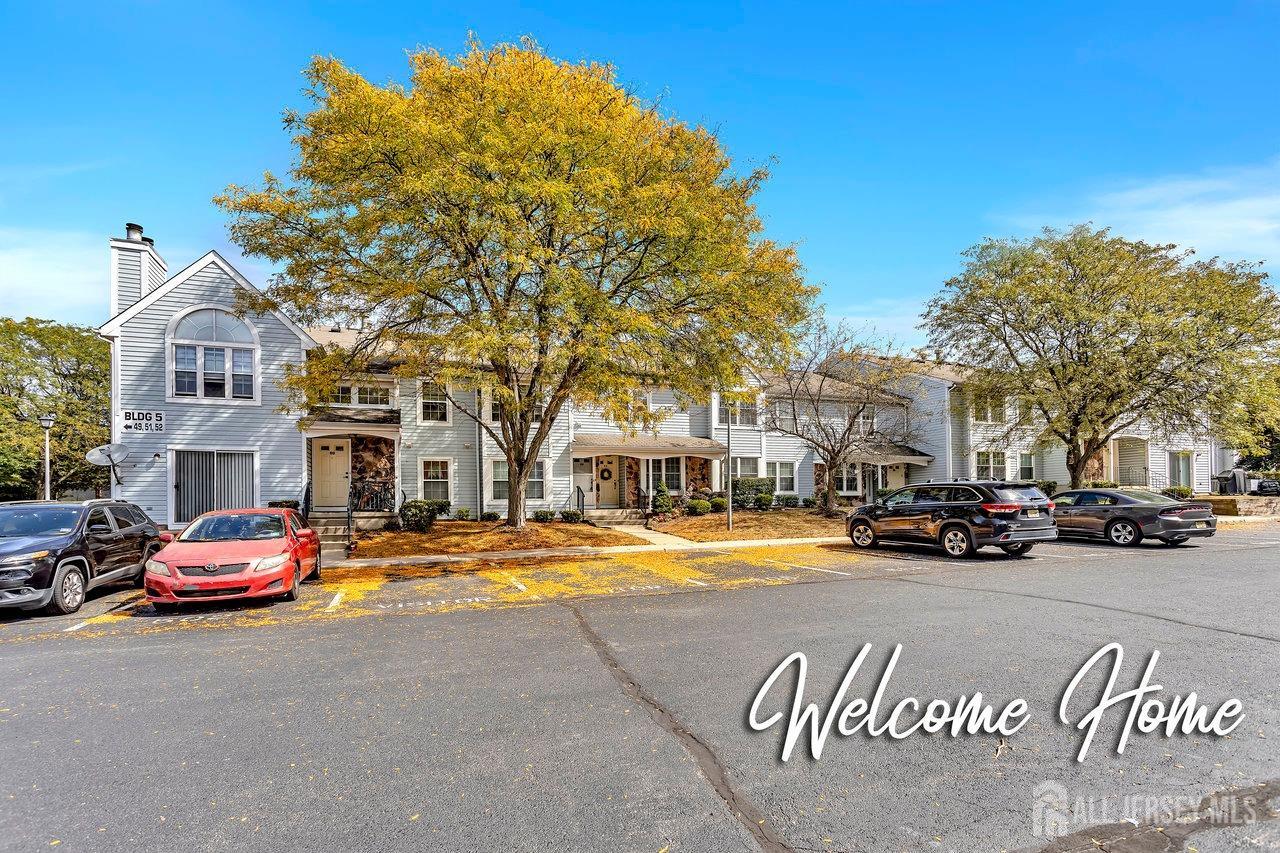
x=306 y=533
x=166 y=537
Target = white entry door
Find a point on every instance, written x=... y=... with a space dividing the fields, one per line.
x=608 y=473
x=584 y=479
x=331 y=471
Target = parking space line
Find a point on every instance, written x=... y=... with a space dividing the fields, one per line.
x=694 y=582
x=515 y=582
x=333 y=605
x=810 y=568
x=75 y=627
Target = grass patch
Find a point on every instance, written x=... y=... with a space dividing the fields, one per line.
x=751 y=524
x=469 y=537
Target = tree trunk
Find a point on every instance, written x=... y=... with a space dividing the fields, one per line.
x=1077 y=461
x=517 y=480
x=829 y=491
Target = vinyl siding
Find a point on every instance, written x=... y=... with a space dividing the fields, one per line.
x=455 y=441
x=128 y=282
x=142 y=385
x=931 y=415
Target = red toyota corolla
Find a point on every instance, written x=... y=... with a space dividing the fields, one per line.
x=234 y=553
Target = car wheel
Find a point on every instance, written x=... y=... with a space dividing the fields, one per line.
x=68 y=591
x=292 y=594
x=141 y=576
x=315 y=573
x=1017 y=549
x=1173 y=543
x=957 y=541
x=862 y=535
x=1123 y=532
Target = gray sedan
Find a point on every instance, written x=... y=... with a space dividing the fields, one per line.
x=1127 y=516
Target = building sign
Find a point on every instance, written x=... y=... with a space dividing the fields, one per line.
x=136 y=420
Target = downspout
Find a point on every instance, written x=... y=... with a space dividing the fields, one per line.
x=951 y=471
x=479 y=456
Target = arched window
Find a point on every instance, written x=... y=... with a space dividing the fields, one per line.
x=214 y=356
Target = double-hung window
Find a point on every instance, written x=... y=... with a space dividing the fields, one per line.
x=373 y=395
x=847 y=478
x=668 y=471
x=214 y=357
x=739 y=414
x=435 y=404
x=435 y=480
x=496 y=407
x=988 y=409
x=746 y=466
x=783 y=475
x=1026 y=466
x=991 y=465
x=535 y=489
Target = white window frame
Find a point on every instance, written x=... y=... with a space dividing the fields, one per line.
x=422 y=476
x=663 y=473
x=493 y=480
x=847 y=475
x=171 y=342
x=1030 y=456
x=491 y=403
x=991 y=413
x=776 y=476
x=1000 y=473
x=736 y=468
x=448 y=405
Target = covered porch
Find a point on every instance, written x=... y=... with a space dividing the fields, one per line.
x=621 y=472
x=353 y=467
x=879 y=469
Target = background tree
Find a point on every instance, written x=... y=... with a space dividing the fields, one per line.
x=524 y=226
x=844 y=394
x=1089 y=333
x=48 y=367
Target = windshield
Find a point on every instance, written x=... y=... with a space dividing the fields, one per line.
x=37 y=521
x=226 y=528
x=1149 y=497
x=1021 y=494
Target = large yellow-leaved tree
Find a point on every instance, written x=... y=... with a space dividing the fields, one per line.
x=521 y=226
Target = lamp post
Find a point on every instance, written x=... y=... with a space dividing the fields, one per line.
x=46 y=423
x=728 y=452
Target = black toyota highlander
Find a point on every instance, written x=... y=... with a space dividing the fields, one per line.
x=959 y=516
x=52 y=553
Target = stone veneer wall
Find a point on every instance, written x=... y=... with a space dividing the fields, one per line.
x=697 y=474
x=373 y=458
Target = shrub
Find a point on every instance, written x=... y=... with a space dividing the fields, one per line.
x=570 y=516
x=1181 y=493
x=745 y=490
x=662 y=502
x=697 y=506
x=544 y=515
x=462 y=513
x=808 y=503
x=285 y=504
x=789 y=501
x=1102 y=484
x=417 y=516
x=1047 y=486
x=701 y=495
x=764 y=501
x=489 y=516
x=717 y=504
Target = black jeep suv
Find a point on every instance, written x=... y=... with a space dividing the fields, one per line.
x=961 y=516
x=52 y=553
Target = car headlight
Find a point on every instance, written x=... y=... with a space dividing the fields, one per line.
x=266 y=564
x=24 y=558
x=156 y=567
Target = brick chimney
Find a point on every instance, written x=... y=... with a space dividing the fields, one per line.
x=136 y=268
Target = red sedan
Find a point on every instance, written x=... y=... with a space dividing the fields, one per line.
x=234 y=553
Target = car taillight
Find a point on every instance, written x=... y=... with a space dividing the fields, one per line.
x=1002 y=507
x=1052 y=506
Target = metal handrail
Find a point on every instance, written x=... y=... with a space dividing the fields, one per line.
x=305 y=503
x=646 y=500
x=581 y=499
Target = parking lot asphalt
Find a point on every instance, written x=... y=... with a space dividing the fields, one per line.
x=600 y=703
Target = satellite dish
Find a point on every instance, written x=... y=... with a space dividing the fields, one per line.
x=109 y=455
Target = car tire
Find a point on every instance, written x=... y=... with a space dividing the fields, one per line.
x=1018 y=549
x=1123 y=532
x=69 y=590
x=1173 y=543
x=164 y=608
x=957 y=541
x=292 y=594
x=862 y=534
x=141 y=576
x=314 y=577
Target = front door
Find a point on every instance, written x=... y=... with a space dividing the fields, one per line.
x=584 y=478
x=331 y=464
x=608 y=478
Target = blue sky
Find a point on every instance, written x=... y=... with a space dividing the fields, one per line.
x=902 y=132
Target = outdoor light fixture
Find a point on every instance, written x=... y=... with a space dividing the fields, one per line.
x=46 y=423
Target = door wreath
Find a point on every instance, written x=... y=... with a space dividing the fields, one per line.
x=606 y=473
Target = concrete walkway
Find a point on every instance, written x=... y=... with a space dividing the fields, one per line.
x=677 y=544
x=653 y=537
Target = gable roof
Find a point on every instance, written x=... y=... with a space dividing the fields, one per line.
x=112 y=327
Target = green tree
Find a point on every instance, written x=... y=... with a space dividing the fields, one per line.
x=521 y=226
x=49 y=367
x=1090 y=333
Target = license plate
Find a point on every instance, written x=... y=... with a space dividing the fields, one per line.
x=1201 y=524
x=1033 y=513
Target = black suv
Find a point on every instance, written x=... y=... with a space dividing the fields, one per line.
x=53 y=552
x=961 y=516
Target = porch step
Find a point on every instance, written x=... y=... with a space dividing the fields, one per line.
x=614 y=516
